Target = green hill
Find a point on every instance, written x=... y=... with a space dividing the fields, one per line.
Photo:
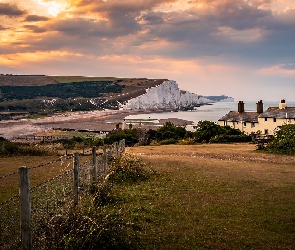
x=40 y=94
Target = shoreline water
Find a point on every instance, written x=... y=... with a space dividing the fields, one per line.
x=107 y=120
x=206 y=112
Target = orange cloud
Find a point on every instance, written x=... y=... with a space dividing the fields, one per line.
x=278 y=70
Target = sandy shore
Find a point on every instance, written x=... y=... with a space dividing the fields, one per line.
x=104 y=121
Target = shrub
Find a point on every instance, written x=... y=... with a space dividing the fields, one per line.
x=167 y=141
x=128 y=168
x=231 y=138
x=86 y=227
x=170 y=131
x=210 y=131
x=8 y=148
x=102 y=193
x=187 y=141
x=284 y=141
x=205 y=130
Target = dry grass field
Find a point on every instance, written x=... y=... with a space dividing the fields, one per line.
x=217 y=196
x=205 y=196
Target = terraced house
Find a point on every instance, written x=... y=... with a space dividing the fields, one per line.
x=267 y=122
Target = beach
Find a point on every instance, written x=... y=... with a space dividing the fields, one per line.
x=92 y=121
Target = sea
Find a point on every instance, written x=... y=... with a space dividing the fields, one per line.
x=211 y=112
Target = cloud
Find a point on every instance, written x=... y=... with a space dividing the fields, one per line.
x=2 y=28
x=35 y=28
x=9 y=10
x=287 y=70
x=35 y=18
x=156 y=38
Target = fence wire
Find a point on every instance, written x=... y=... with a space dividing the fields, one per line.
x=47 y=201
x=52 y=197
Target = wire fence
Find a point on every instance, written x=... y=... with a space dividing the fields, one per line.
x=52 y=196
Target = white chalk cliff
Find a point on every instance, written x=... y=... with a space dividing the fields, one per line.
x=165 y=96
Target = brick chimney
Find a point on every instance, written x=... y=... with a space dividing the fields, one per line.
x=241 y=108
x=282 y=104
x=259 y=105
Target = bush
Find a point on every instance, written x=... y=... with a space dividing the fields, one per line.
x=284 y=141
x=231 y=138
x=170 y=131
x=187 y=141
x=131 y=136
x=95 y=224
x=167 y=141
x=79 y=142
x=102 y=193
x=211 y=132
x=128 y=168
x=8 y=148
x=88 y=227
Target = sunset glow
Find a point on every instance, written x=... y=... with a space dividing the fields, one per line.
x=210 y=47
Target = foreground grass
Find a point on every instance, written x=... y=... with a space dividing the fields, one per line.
x=194 y=202
x=200 y=197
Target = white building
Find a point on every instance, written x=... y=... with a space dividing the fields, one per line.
x=267 y=122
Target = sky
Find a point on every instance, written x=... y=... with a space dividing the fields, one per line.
x=240 y=48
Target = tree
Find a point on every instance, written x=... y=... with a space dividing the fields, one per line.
x=284 y=141
x=205 y=130
x=170 y=131
x=211 y=132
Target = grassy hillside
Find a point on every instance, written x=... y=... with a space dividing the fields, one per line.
x=46 y=94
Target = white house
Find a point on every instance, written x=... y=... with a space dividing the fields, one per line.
x=267 y=122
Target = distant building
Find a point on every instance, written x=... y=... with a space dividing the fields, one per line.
x=267 y=122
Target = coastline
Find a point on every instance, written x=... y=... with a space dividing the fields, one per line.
x=87 y=121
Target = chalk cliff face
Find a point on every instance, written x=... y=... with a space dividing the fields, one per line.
x=166 y=95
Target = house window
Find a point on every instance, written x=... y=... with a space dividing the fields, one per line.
x=274 y=119
x=265 y=119
x=252 y=124
x=224 y=123
x=244 y=124
x=266 y=131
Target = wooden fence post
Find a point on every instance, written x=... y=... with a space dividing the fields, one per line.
x=116 y=148
x=105 y=161
x=94 y=164
x=123 y=145
x=76 y=178
x=25 y=209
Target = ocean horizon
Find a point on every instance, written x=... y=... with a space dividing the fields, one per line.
x=211 y=112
